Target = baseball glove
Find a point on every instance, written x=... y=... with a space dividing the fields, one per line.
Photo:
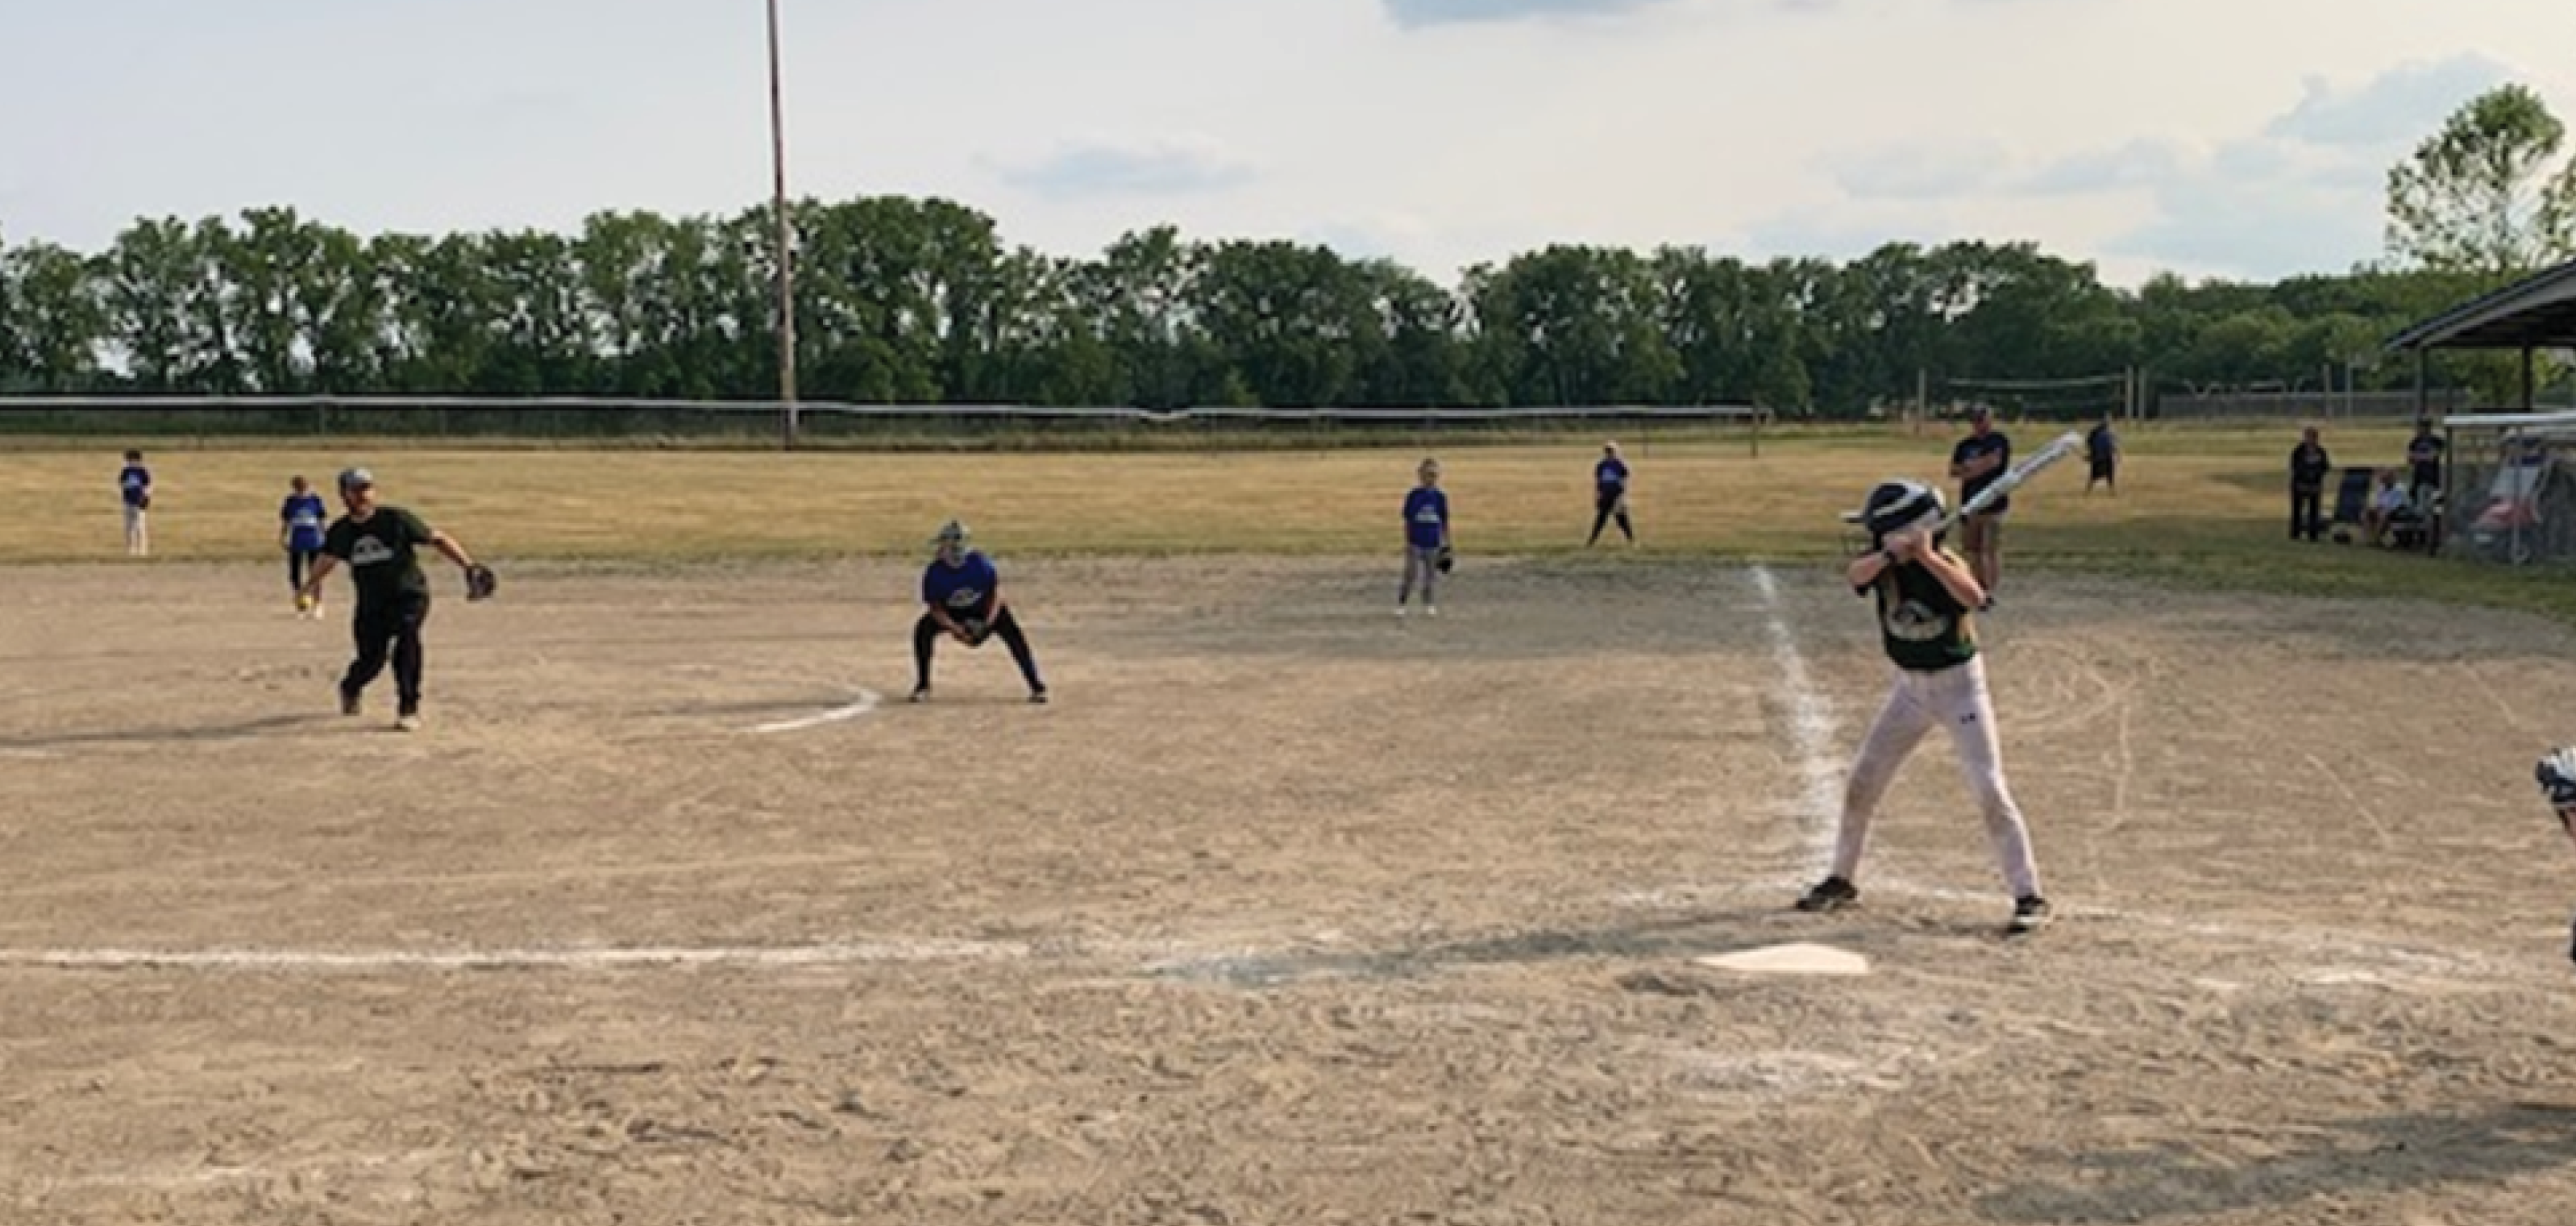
x=480 y=582
x=2557 y=776
x=975 y=630
x=1446 y=560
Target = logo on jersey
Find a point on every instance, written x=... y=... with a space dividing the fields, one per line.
x=965 y=598
x=1912 y=621
x=369 y=551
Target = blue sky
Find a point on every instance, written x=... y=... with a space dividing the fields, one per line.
x=2243 y=138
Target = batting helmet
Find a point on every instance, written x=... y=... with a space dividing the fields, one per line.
x=1897 y=507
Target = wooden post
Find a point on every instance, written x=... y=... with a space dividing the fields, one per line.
x=786 y=241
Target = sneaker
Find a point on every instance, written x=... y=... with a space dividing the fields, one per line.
x=409 y=721
x=349 y=704
x=2030 y=914
x=1830 y=894
x=1431 y=610
x=1399 y=612
x=920 y=693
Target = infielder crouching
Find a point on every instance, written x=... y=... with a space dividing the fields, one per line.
x=962 y=592
x=1925 y=598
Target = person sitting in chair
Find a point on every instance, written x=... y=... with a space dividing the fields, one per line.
x=2387 y=504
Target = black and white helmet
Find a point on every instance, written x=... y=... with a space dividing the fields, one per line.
x=1897 y=507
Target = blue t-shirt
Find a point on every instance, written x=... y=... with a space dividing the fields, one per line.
x=1992 y=443
x=135 y=483
x=1426 y=517
x=303 y=515
x=1611 y=475
x=965 y=590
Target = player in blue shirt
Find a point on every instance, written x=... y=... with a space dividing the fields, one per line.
x=134 y=486
x=1610 y=495
x=1426 y=539
x=299 y=533
x=963 y=595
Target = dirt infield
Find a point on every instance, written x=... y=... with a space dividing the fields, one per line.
x=1285 y=911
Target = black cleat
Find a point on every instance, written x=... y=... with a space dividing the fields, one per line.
x=920 y=693
x=2030 y=914
x=1038 y=696
x=349 y=704
x=1831 y=894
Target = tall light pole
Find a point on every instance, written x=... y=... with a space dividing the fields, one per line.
x=786 y=238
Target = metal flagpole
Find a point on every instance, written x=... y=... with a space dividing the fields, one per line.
x=786 y=238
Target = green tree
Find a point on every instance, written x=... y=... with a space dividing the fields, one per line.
x=52 y=324
x=2489 y=194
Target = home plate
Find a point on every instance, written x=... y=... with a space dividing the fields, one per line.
x=1801 y=959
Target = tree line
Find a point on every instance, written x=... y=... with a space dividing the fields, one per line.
x=920 y=300
x=901 y=299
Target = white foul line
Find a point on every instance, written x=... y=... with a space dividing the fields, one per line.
x=867 y=701
x=1811 y=727
x=829 y=954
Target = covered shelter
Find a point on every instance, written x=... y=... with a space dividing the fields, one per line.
x=2535 y=313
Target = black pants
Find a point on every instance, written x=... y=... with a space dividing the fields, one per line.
x=2307 y=512
x=392 y=628
x=927 y=632
x=297 y=562
x=1606 y=507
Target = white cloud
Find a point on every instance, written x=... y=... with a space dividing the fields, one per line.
x=1417 y=14
x=2303 y=192
x=1920 y=169
x=1146 y=166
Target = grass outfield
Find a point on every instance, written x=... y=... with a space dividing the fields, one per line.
x=2197 y=505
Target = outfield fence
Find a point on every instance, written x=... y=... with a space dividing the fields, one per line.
x=828 y=424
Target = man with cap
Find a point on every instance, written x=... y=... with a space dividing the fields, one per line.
x=381 y=547
x=1976 y=461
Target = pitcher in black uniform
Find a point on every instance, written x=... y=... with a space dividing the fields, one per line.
x=381 y=547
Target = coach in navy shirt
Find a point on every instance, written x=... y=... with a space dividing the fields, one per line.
x=962 y=594
x=1976 y=461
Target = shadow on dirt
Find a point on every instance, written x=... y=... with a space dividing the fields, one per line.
x=2346 y=1159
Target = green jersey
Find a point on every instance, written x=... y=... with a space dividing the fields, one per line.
x=383 y=555
x=1923 y=627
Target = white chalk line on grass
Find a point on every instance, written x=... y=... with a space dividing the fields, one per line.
x=865 y=702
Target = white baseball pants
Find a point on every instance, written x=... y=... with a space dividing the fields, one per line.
x=1957 y=699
